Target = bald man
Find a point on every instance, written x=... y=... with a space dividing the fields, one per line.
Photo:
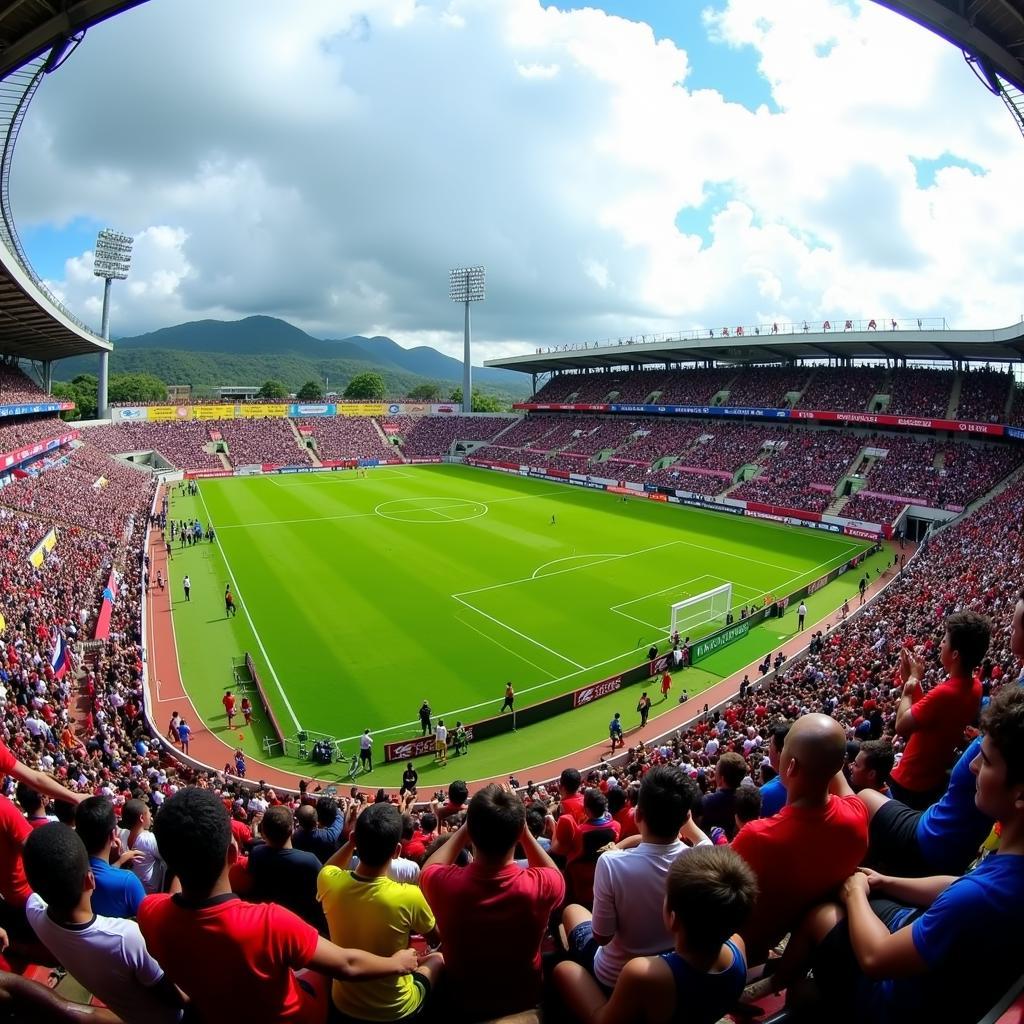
x=807 y=850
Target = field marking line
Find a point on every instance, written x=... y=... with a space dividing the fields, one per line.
x=559 y=572
x=572 y=558
x=514 y=654
x=245 y=608
x=332 y=476
x=512 y=629
x=683 y=583
x=289 y=522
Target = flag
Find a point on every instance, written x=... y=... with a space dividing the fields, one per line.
x=59 y=655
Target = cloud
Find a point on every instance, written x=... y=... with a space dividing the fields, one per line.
x=330 y=165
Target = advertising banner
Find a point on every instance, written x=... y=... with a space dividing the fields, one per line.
x=784 y=511
x=361 y=408
x=129 y=414
x=166 y=413
x=261 y=410
x=219 y=411
x=913 y=422
x=321 y=409
x=428 y=461
x=42 y=549
x=715 y=642
x=26 y=410
x=1016 y=433
x=595 y=691
x=560 y=407
x=198 y=474
x=250 y=470
x=445 y=409
x=30 y=451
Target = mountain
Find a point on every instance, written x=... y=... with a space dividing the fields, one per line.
x=279 y=343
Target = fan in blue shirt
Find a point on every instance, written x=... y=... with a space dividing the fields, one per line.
x=118 y=892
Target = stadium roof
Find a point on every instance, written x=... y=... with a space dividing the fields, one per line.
x=31 y=27
x=31 y=327
x=991 y=31
x=1004 y=344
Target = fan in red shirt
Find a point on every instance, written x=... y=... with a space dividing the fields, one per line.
x=934 y=722
x=807 y=850
x=492 y=915
x=571 y=802
x=257 y=948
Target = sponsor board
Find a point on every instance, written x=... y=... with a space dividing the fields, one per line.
x=854 y=531
x=26 y=410
x=217 y=411
x=196 y=474
x=561 y=407
x=1016 y=433
x=298 y=469
x=262 y=410
x=813 y=588
x=408 y=750
x=14 y=458
x=315 y=409
x=535 y=470
x=912 y=422
x=167 y=413
x=433 y=461
x=251 y=470
x=128 y=414
x=361 y=408
x=445 y=409
x=715 y=642
x=588 y=694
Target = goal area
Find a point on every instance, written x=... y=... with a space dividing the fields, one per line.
x=710 y=607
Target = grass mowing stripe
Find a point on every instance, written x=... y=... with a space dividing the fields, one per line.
x=245 y=608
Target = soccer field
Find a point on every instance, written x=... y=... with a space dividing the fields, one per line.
x=359 y=597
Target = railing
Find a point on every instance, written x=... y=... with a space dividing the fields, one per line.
x=745 y=332
x=16 y=92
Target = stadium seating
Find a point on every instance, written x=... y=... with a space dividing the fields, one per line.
x=848 y=390
x=345 y=437
x=766 y=386
x=262 y=440
x=424 y=436
x=918 y=392
x=983 y=396
x=183 y=444
x=17 y=388
x=29 y=430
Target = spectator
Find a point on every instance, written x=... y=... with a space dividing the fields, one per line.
x=805 y=851
x=135 y=836
x=571 y=802
x=492 y=914
x=919 y=949
x=238 y=960
x=718 y=808
x=319 y=830
x=106 y=955
x=871 y=767
x=708 y=897
x=118 y=893
x=934 y=722
x=629 y=883
x=364 y=908
x=282 y=874
x=773 y=793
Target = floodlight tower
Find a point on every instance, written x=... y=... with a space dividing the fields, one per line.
x=112 y=262
x=466 y=285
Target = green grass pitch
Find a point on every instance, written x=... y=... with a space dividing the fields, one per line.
x=361 y=597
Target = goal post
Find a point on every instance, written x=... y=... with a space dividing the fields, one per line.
x=712 y=606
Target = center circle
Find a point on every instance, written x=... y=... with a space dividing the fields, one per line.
x=431 y=510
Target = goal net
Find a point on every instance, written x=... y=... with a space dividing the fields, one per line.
x=710 y=607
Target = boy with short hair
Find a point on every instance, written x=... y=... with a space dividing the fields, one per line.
x=107 y=955
x=366 y=909
x=259 y=947
x=709 y=894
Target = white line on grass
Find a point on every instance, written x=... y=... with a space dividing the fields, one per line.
x=515 y=654
x=290 y=522
x=245 y=608
x=512 y=629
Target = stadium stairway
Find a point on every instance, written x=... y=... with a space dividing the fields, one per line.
x=386 y=441
x=954 y=396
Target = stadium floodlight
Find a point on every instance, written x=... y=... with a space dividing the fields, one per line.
x=466 y=285
x=112 y=261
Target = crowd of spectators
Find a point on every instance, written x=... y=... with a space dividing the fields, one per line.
x=983 y=396
x=767 y=386
x=653 y=439
x=848 y=390
x=254 y=441
x=677 y=476
x=345 y=437
x=426 y=436
x=872 y=509
x=17 y=388
x=813 y=457
x=28 y=430
x=920 y=392
x=449 y=870
x=184 y=444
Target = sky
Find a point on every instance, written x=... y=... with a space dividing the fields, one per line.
x=624 y=169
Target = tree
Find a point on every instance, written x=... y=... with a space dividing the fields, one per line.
x=366 y=385
x=272 y=391
x=136 y=387
x=82 y=391
x=424 y=393
x=67 y=393
x=311 y=391
x=481 y=402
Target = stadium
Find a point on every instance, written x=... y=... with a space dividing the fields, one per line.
x=688 y=681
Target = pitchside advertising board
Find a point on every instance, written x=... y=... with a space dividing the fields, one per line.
x=27 y=410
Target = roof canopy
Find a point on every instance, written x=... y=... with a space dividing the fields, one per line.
x=1005 y=344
